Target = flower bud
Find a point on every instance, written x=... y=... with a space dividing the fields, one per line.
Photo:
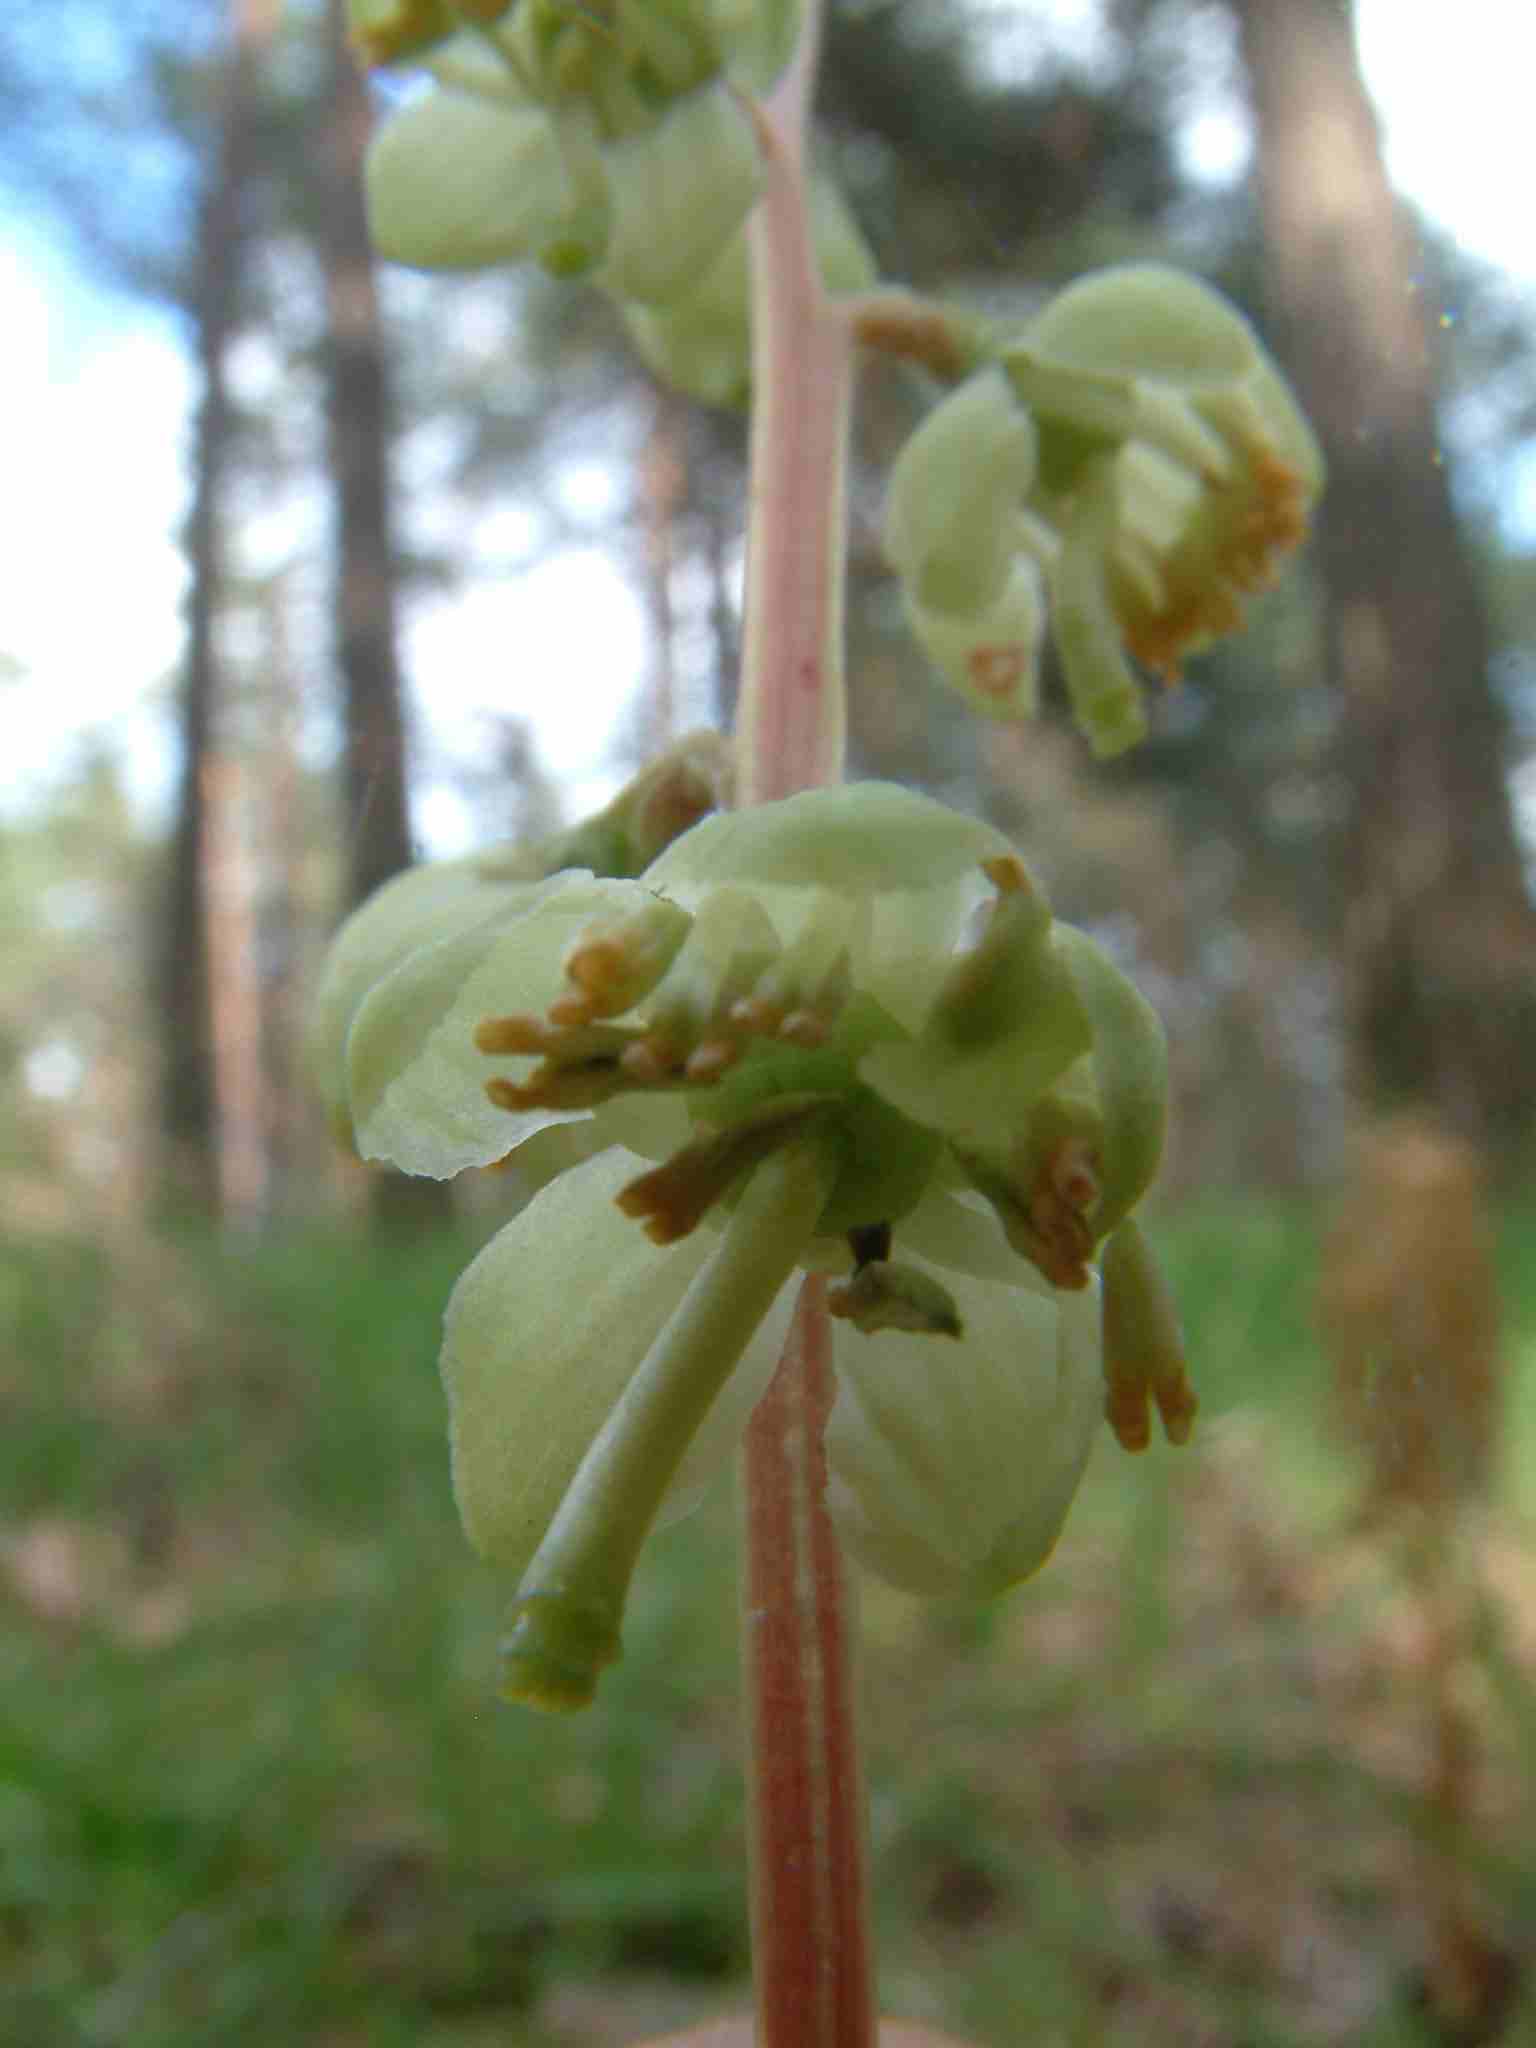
x=700 y=341
x=680 y=189
x=954 y=496
x=455 y=182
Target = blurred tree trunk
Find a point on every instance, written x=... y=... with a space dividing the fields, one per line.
x=1438 y=928
x=367 y=654
x=188 y=1110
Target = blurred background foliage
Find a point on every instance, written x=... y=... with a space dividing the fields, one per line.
x=1251 y=1764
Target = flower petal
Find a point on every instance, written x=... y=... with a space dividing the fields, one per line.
x=417 y=908
x=543 y=1333
x=415 y=1080
x=990 y=655
x=953 y=1465
x=915 y=864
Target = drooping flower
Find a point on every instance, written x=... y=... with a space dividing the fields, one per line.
x=841 y=1033
x=1132 y=464
x=605 y=139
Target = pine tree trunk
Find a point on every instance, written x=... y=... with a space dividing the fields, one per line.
x=1438 y=933
x=358 y=407
x=188 y=1093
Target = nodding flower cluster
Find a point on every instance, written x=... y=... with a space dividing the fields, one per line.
x=1128 y=467
x=841 y=1034
x=608 y=140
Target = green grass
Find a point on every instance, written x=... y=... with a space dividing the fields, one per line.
x=254 y=1785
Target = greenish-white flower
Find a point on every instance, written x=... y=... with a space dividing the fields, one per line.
x=838 y=1034
x=1132 y=462
x=604 y=139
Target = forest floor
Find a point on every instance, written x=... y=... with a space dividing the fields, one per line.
x=1230 y=1774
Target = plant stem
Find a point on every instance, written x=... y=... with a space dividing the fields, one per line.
x=790 y=724
x=810 y=1917
x=810 y=1913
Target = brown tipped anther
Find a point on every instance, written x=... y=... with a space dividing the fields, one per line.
x=668 y=1202
x=671 y=1199
x=500 y=1035
x=598 y=966
x=570 y=1012
x=506 y=1094
x=806 y=1028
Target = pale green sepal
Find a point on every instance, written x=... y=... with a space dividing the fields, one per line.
x=1130 y=1074
x=991 y=655
x=1132 y=352
x=757 y=38
x=678 y=192
x=542 y=1334
x=953 y=493
x=415 y=1079
x=1146 y=320
x=1007 y=1022
x=953 y=1465
x=1105 y=694
x=420 y=907
x=456 y=182
x=571 y=1597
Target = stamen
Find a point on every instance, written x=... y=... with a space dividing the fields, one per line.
x=519 y=1034
x=1143 y=1345
x=578 y=1086
x=571 y=1011
x=672 y=1198
x=1046 y=1206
